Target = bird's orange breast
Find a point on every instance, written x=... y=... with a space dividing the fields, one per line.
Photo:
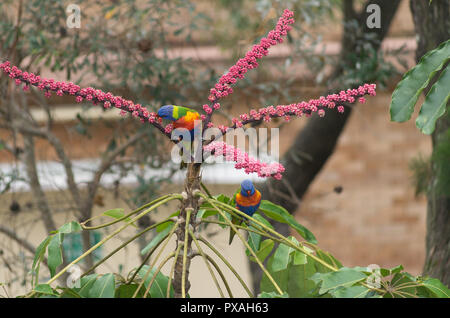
x=187 y=121
x=249 y=201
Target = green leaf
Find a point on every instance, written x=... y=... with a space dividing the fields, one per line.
x=272 y=295
x=281 y=257
x=295 y=279
x=350 y=292
x=40 y=251
x=221 y=218
x=162 y=226
x=117 y=214
x=254 y=241
x=327 y=257
x=69 y=293
x=415 y=81
x=278 y=213
x=204 y=213
x=435 y=103
x=402 y=285
x=70 y=227
x=103 y=287
x=55 y=257
x=159 y=286
x=45 y=289
x=222 y=198
x=436 y=287
x=391 y=271
x=299 y=258
x=128 y=290
x=86 y=283
x=261 y=219
x=343 y=277
x=157 y=239
x=265 y=248
x=300 y=283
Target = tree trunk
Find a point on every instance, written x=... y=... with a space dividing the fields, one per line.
x=190 y=202
x=316 y=142
x=432 y=27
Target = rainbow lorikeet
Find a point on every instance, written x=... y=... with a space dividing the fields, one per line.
x=182 y=117
x=248 y=200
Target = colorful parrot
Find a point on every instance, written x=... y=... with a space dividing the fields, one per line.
x=182 y=117
x=248 y=200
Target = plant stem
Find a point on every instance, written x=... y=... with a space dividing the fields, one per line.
x=174 y=196
x=172 y=270
x=185 y=248
x=107 y=238
x=157 y=272
x=248 y=247
x=167 y=239
x=202 y=254
x=211 y=247
x=123 y=245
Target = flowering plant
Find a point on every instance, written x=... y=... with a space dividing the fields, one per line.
x=314 y=271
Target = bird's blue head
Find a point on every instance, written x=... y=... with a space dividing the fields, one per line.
x=247 y=188
x=166 y=112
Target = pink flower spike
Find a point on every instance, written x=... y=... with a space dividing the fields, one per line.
x=244 y=161
x=237 y=71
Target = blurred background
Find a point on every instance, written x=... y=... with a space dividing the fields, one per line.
x=63 y=161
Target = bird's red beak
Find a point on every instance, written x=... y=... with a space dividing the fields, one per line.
x=248 y=192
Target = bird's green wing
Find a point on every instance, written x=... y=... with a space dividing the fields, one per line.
x=180 y=111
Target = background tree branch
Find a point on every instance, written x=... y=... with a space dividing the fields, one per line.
x=316 y=142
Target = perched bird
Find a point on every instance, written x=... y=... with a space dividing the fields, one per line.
x=248 y=200
x=182 y=117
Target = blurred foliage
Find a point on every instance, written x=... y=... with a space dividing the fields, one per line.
x=122 y=46
x=365 y=63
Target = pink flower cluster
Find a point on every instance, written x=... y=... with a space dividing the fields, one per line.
x=221 y=89
x=306 y=108
x=244 y=161
x=237 y=71
x=95 y=96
